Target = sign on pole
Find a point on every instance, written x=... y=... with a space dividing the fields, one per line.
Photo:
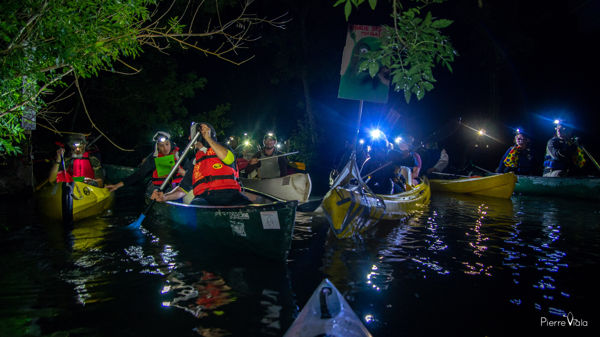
x=359 y=85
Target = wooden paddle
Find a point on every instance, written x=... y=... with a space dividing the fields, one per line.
x=136 y=224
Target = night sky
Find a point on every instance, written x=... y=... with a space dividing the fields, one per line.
x=520 y=64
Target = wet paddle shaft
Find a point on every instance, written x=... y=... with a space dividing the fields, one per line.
x=138 y=222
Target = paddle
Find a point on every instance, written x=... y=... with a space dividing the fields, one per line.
x=279 y=155
x=67 y=196
x=450 y=175
x=590 y=156
x=484 y=170
x=136 y=224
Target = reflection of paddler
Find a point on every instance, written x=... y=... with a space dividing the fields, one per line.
x=357 y=84
x=208 y=294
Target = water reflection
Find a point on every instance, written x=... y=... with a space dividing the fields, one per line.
x=479 y=266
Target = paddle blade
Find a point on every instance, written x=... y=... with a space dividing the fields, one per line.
x=137 y=223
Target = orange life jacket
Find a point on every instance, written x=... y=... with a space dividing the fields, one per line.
x=210 y=173
x=158 y=181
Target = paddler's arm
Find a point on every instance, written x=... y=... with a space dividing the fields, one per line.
x=56 y=166
x=174 y=194
x=221 y=151
x=179 y=191
x=138 y=175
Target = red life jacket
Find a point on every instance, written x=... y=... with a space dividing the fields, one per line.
x=63 y=177
x=82 y=167
x=210 y=173
x=158 y=181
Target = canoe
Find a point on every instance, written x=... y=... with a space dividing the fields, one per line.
x=295 y=186
x=88 y=200
x=498 y=185
x=327 y=314
x=351 y=208
x=568 y=187
x=263 y=228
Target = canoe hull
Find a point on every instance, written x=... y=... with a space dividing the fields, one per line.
x=295 y=186
x=327 y=313
x=262 y=229
x=353 y=211
x=88 y=201
x=568 y=187
x=498 y=186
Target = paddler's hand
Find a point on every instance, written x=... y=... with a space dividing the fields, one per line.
x=114 y=187
x=253 y=161
x=205 y=130
x=181 y=171
x=158 y=196
x=60 y=152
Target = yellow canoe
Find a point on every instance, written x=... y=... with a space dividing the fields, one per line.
x=351 y=208
x=88 y=200
x=498 y=185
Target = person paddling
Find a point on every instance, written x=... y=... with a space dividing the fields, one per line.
x=80 y=167
x=157 y=165
x=213 y=178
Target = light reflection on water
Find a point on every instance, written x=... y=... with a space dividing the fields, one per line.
x=479 y=266
x=519 y=245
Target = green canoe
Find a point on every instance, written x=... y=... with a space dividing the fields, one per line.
x=327 y=314
x=569 y=187
x=263 y=228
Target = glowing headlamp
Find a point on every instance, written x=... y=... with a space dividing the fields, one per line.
x=376 y=134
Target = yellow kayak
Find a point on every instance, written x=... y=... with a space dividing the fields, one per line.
x=351 y=208
x=498 y=186
x=88 y=200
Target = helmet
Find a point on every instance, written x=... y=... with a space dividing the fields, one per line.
x=380 y=144
x=270 y=135
x=195 y=127
x=161 y=136
x=77 y=139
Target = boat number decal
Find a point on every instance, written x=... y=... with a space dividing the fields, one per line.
x=237 y=228
x=269 y=220
x=285 y=181
x=217 y=166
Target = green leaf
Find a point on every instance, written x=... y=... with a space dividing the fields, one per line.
x=338 y=2
x=347 y=9
x=373 y=3
x=427 y=20
x=441 y=23
x=373 y=69
x=407 y=95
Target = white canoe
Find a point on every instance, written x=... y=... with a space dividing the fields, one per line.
x=327 y=314
x=295 y=186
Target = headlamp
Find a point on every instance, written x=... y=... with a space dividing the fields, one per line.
x=161 y=137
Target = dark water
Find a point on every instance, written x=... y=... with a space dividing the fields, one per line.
x=464 y=267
